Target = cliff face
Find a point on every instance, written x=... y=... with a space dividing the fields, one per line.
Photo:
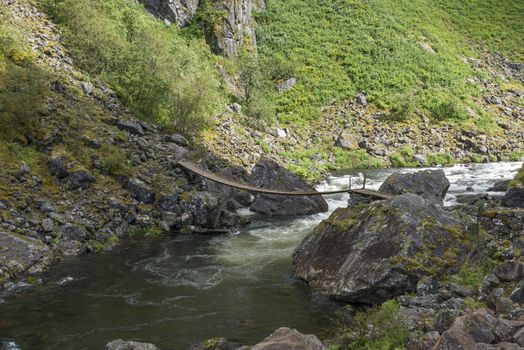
x=179 y=12
x=234 y=29
x=237 y=27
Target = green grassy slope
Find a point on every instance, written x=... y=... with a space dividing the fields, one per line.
x=382 y=47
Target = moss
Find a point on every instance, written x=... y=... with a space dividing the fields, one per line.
x=472 y=304
x=150 y=231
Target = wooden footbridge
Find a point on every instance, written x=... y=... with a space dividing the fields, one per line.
x=219 y=179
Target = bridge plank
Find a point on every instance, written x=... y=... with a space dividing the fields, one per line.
x=216 y=178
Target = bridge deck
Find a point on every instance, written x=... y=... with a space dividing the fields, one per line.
x=216 y=178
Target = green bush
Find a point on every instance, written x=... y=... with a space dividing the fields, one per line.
x=357 y=159
x=403 y=158
x=164 y=76
x=114 y=161
x=378 y=328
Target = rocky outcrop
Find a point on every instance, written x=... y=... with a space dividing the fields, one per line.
x=371 y=253
x=482 y=330
x=236 y=27
x=120 y=344
x=514 y=197
x=269 y=174
x=287 y=339
x=430 y=184
x=179 y=12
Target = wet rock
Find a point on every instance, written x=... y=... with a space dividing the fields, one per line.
x=430 y=184
x=500 y=186
x=140 y=191
x=288 y=339
x=371 y=253
x=514 y=197
x=23 y=254
x=120 y=344
x=131 y=126
x=80 y=179
x=268 y=174
x=510 y=271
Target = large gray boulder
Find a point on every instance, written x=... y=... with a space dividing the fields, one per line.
x=430 y=184
x=268 y=174
x=288 y=339
x=179 y=12
x=23 y=254
x=514 y=197
x=120 y=344
x=374 y=252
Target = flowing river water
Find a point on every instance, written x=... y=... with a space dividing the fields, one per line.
x=182 y=288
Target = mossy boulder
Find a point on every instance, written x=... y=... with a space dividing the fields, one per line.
x=373 y=252
x=514 y=197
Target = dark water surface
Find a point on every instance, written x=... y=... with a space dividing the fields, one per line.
x=180 y=289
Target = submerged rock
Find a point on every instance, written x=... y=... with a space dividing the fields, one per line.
x=120 y=344
x=372 y=253
x=430 y=184
x=269 y=174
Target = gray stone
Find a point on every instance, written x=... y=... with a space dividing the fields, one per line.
x=131 y=126
x=286 y=84
x=445 y=318
x=236 y=107
x=361 y=99
x=430 y=184
x=289 y=339
x=48 y=225
x=179 y=12
x=141 y=191
x=87 y=88
x=71 y=232
x=177 y=139
x=23 y=254
x=80 y=179
x=361 y=254
x=347 y=141
x=58 y=166
x=510 y=271
x=517 y=295
x=421 y=159
x=269 y=174
x=120 y=344
x=280 y=132
x=500 y=186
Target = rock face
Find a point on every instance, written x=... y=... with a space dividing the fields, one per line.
x=514 y=197
x=372 y=253
x=288 y=339
x=430 y=184
x=22 y=254
x=120 y=344
x=237 y=26
x=179 y=12
x=268 y=174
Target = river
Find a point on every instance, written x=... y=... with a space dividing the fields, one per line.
x=183 y=288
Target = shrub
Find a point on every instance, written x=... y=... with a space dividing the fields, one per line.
x=403 y=158
x=114 y=161
x=378 y=328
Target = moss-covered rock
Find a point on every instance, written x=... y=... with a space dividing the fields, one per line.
x=371 y=253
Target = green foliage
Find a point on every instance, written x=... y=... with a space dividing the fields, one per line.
x=23 y=88
x=356 y=159
x=113 y=160
x=404 y=59
x=378 y=328
x=472 y=304
x=440 y=159
x=162 y=75
x=150 y=231
x=403 y=158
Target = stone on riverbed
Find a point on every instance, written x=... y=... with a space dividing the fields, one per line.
x=372 y=253
x=430 y=184
x=120 y=344
x=268 y=174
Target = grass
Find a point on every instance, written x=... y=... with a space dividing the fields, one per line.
x=403 y=58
